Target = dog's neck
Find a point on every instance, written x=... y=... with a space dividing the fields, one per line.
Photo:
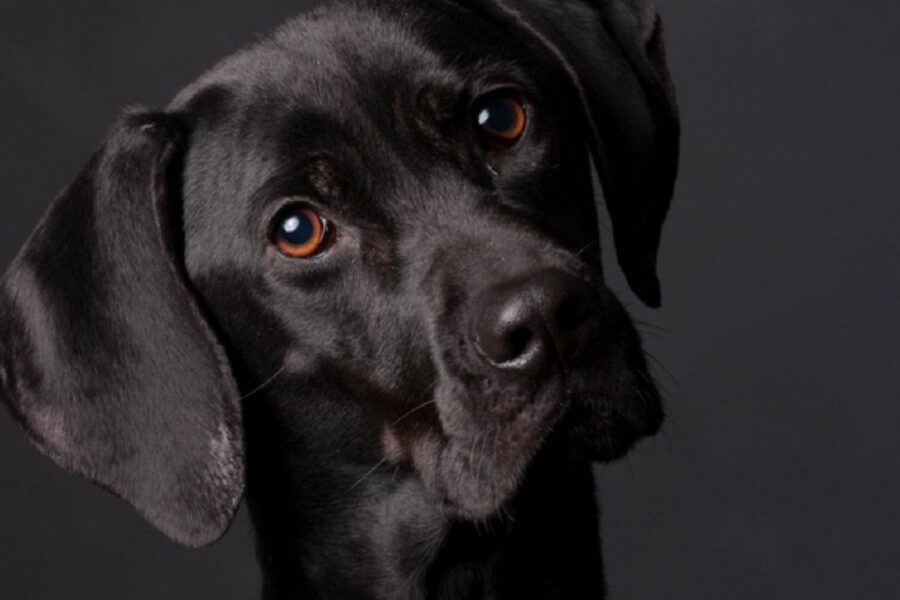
x=330 y=529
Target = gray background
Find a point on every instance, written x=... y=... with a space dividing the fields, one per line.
x=779 y=343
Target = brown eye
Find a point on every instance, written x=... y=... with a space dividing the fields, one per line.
x=300 y=232
x=501 y=118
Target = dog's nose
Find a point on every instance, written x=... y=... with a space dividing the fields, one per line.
x=524 y=325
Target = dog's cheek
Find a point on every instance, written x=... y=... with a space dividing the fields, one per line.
x=444 y=302
x=635 y=393
x=249 y=328
x=614 y=401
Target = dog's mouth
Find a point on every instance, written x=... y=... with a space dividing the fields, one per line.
x=476 y=457
x=474 y=472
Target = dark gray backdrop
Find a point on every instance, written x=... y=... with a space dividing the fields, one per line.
x=779 y=342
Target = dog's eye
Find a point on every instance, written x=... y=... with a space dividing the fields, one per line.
x=501 y=119
x=300 y=232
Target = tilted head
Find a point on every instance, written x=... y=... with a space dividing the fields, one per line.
x=371 y=236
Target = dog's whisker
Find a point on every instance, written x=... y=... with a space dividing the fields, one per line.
x=663 y=368
x=394 y=476
x=586 y=247
x=629 y=465
x=665 y=435
x=413 y=411
x=659 y=328
x=505 y=515
x=478 y=464
x=648 y=334
x=368 y=474
x=265 y=384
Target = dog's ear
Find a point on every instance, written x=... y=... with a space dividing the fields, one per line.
x=613 y=52
x=105 y=358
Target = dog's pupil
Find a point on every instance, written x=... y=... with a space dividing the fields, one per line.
x=297 y=229
x=499 y=115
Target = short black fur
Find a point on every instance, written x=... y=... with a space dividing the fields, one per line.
x=413 y=412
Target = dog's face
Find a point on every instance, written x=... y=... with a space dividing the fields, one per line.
x=382 y=224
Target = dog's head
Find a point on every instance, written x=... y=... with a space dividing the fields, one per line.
x=376 y=229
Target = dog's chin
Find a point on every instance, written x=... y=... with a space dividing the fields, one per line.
x=606 y=426
x=615 y=439
x=478 y=477
x=473 y=472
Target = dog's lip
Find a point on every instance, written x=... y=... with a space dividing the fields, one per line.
x=472 y=474
x=617 y=435
x=472 y=453
x=621 y=437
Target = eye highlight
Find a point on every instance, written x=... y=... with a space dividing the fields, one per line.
x=299 y=232
x=501 y=119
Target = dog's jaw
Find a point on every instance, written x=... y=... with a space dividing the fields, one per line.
x=379 y=533
x=473 y=472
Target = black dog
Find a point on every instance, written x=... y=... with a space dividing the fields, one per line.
x=354 y=271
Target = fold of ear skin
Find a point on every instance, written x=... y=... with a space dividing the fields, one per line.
x=105 y=359
x=613 y=53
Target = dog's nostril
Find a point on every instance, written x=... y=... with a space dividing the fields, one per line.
x=507 y=333
x=526 y=324
x=525 y=347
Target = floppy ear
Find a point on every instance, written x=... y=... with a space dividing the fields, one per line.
x=613 y=53
x=105 y=359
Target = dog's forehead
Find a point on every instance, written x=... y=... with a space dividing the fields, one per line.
x=341 y=82
x=328 y=61
x=342 y=76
